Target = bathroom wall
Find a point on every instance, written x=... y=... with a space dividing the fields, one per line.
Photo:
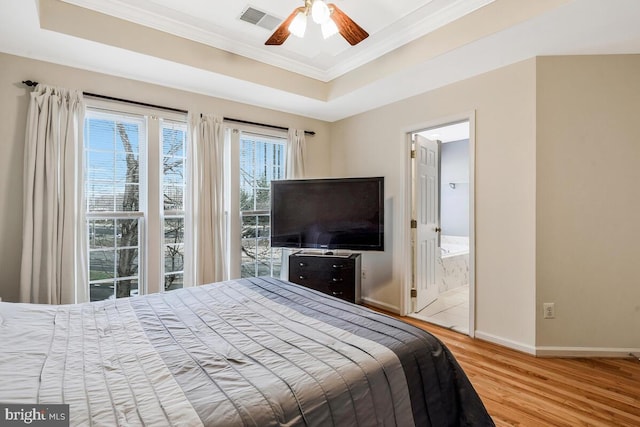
x=454 y=203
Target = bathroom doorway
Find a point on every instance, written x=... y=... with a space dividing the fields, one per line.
x=442 y=225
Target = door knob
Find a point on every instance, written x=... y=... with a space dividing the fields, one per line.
x=438 y=229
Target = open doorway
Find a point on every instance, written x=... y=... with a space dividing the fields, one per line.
x=441 y=180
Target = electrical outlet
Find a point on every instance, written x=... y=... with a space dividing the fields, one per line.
x=549 y=310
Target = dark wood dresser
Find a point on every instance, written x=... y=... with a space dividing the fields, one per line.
x=335 y=275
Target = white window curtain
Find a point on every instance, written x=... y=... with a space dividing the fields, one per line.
x=295 y=166
x=54 y=246
x=209 y=237
x=294 y=169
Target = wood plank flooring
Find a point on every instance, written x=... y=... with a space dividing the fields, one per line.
x=521 y=390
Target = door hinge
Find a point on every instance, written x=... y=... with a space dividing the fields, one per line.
x=414 y=293
x=414 y=223
x=413 y=154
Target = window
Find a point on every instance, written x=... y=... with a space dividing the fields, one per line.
x=261 y=160
x=135 y=195
x=174 y=140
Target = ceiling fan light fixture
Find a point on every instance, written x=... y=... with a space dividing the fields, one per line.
x=320 y=12
x=299 y=25
x=331 y=19
x=329 y=28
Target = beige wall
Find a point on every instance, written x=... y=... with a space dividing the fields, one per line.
x=504 y=102
x=13 y=111
x=588 y=202
x=557 y=166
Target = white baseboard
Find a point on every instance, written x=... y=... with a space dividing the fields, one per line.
x=514 y=345
x=381 y=305
x=550 y=351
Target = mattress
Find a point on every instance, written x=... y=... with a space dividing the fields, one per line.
x=249 y=352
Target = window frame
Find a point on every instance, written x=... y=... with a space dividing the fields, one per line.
x=151 y=212
x=234 y=215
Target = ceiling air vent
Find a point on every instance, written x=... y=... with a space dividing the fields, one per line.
x=259 y=18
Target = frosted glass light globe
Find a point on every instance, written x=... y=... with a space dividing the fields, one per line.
x=320 y=12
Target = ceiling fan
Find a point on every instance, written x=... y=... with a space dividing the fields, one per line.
x=329 y=16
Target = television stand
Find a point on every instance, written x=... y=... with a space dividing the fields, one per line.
x=337 y=275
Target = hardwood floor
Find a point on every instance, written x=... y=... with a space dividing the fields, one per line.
x=521 y=390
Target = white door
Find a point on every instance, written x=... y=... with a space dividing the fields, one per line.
x=427 y=200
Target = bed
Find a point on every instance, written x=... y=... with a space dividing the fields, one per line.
x=249 y=352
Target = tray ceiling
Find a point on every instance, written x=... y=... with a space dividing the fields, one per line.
x=415 y=46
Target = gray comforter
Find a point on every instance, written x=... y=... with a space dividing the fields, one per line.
x=251 y=352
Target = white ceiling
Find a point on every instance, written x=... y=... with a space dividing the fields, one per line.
x=449 y=133
x=376 y=71
x=390 y=24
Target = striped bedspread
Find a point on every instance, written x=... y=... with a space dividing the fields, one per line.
x=250 y=352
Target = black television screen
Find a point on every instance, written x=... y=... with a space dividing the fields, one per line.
x=342 y=213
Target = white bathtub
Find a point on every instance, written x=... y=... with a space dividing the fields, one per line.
x=453 y=265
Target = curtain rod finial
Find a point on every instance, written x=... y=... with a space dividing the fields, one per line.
x=29 y=83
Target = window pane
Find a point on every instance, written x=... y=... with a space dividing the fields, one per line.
x=173 y=139
x=173 y=197
x=127 y=262
x=246 y=198
x=173 y=281
x=249 y=225
x=127 y=166
x=100 y=197
x=100 y=166
x=174 y=230
x=173 y=165
x=173 y=170
x=101 y=233
x=127 y=232
x=127 y=198
x=264 y=226
x=126 y=288
x=101 y=265
x=173 y=258
x=99 y=134
x=276 y=261
x=127 y=136
x=247 y=260
x=263 y=257
x=101 y=291
x=263 y=200
x=134 y=288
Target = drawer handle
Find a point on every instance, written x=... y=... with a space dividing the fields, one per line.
x=337 y=266
x=337 y=279
x=337 y=294
x=302 y=277
x=302 y=264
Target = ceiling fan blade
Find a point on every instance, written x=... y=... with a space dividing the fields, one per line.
x=351 y=31
x=282 y=32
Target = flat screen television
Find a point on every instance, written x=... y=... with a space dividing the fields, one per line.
x=333 y=213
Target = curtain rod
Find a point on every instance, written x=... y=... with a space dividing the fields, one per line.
x=246 y=122
x=31 y=83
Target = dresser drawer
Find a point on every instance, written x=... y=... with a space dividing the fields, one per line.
x=334 y=276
